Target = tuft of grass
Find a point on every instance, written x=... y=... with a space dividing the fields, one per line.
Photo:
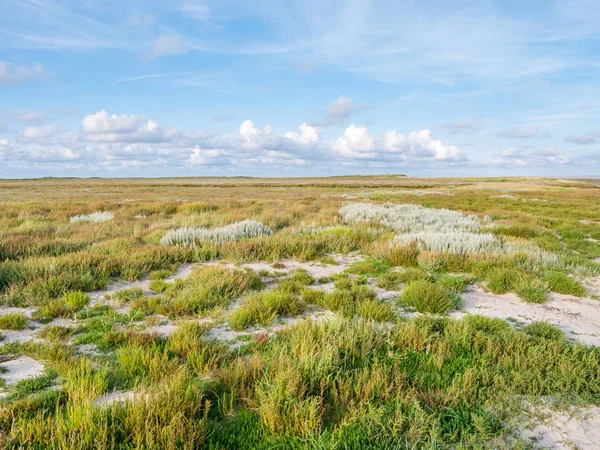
x=426 y=297
x=455 y=283
x=560 y=283
x=159 y=274
x=13 y=321
x=389 y=281
x=65 y=306
x=263 y=307
x=158 y=286
x=373 y=309
x=56 y=333
x=544 y=330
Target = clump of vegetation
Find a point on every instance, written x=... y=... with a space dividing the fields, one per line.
x=188 y=237
x=426 y=297
x=263 y=307
x=206 y=289
x=65 y=306
x=96 y=217
x=544 y=330
x=13 y=321
x=560 y=283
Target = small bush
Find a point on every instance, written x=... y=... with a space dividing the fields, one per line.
x=426 y=297
x=13 y=321
x=544 y=330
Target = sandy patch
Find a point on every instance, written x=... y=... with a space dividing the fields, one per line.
x=579 y=318
x=21 y=368
x=573 y=429
x=118 y=397
x=12 y=310
x=314 y=269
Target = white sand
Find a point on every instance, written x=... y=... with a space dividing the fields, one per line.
x=21 y=368
x=573 y=429
x=579 y=318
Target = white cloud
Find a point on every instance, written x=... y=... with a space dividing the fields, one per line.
x=166 y=45
x=355 y=143
x=308 y=135
x=102 y=127
x=418 y=145
x=36 y=133
x=253 y=138
x=517 y=133
x=15 y=74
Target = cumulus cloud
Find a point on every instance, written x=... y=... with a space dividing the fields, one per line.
x=355 y=143
x=166 y=45
x=119 y=141
x=517 y=133
x=585 y=139
x=337 y=112
x=467 y=125
x=418 y=145
x=253 y=138
x=15 y=74
x=102 y=127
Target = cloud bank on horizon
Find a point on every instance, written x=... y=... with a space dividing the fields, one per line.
x=284 y=88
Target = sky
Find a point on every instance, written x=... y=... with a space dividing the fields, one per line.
x=299 y=88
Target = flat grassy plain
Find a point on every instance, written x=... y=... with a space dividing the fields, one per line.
x=324 y=313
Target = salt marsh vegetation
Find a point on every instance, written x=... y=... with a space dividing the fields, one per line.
x=206 y=313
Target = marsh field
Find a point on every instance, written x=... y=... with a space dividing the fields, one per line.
x=326 y=313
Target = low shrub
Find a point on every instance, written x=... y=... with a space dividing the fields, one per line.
x=426 y=297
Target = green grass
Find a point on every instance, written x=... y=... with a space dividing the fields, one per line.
x=560 y=283
x=367 y=378
x=426 y=297
x=544 y=330
x=13 y=321
x=263 y=307
x=65 y=306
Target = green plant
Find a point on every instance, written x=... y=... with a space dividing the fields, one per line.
x=426 y=297
x=13 y=321
x=544 y=330
x=560 y=283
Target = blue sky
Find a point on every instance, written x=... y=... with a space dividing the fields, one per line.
x=283 y=88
